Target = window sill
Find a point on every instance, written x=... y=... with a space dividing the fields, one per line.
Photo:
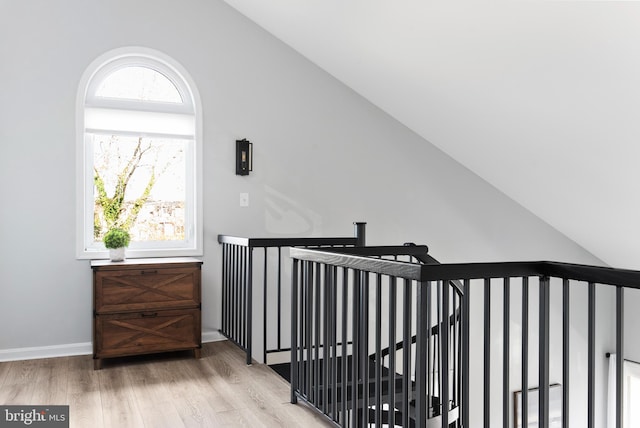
x=143 y=253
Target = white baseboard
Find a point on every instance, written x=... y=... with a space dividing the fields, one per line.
x=212 y=336
x=38 y=352
x=73 y=349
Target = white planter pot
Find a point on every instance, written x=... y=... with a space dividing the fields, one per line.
x=116 y=254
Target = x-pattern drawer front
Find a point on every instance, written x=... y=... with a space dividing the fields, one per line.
x=145 y=289
x=147 y=332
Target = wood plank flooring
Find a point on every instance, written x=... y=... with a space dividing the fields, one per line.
x=163 y=390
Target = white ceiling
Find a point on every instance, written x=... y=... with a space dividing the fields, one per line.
x=540 y=98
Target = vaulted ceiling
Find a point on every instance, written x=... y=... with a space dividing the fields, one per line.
x=539 y=98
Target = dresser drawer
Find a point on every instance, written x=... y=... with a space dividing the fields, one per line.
x=146 y=288
x=147 y=332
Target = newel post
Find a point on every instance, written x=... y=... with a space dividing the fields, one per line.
x=360 y=231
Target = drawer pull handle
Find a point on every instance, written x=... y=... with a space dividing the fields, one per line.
x=153 y=315
x=149 y=272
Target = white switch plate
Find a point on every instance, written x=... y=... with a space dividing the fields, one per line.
x=244 y=199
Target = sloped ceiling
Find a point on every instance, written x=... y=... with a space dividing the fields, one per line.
x=541 y=99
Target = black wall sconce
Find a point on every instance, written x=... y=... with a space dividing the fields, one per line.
x=244 y=157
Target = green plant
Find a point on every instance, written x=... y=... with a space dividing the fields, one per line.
x=116 y=238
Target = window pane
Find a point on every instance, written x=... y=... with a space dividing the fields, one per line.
x=139 y=83
x=140 y=185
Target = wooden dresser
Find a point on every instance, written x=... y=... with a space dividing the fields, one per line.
x=143 y=306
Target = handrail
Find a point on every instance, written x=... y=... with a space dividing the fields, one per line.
x=418 y=252
x=385 y=250
x=433 y=331
x=285 y=242
x=399 y=269
x=461 y=271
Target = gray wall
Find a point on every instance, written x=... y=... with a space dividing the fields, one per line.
x=324 y=157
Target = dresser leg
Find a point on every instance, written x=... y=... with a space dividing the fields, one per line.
x=197 y=353
x=97 y=364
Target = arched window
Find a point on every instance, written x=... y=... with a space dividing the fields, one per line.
x=139 y=155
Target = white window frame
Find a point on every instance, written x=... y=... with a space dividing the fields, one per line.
x=191 y=109
x=630 y=370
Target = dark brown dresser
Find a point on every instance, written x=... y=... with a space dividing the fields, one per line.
x=143 y=306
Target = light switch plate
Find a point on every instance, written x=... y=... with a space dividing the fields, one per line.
x=244 y=199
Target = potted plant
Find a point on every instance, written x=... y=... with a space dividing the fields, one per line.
x=116 y=240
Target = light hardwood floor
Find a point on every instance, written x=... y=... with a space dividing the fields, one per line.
x=164 y=390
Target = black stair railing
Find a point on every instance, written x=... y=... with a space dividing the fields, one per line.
x=405 y=360
x=239 y=271
x=363 y=341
